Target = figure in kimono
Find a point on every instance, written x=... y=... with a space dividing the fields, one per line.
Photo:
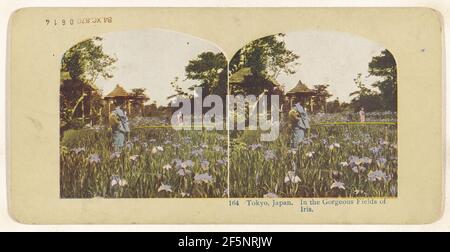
x=119 y=124
x=299 y=123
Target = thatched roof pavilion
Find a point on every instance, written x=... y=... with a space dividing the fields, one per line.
x=120 y=93
x=301 y=91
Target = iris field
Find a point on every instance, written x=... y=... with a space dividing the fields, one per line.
x=156 y=162
x=335 y=160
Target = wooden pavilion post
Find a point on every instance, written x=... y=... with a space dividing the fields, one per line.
x=91 y=118
x=82 y=106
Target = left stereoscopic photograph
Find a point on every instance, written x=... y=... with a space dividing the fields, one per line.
x=118 y=138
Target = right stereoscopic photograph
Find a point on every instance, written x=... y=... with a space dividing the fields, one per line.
x=313 y=114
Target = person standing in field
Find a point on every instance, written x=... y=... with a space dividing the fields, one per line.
x=299 y=123
x=118 y=121
x=362 y=115
x=180 y=119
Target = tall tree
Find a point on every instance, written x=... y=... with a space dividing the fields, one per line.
x=210 y=69
x=384 y=66
x=267 y=56
x=86 y=61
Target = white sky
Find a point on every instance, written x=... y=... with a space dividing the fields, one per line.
x=333 y=58
x=151 y=59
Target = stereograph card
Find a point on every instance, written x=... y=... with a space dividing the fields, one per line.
x=225 y=115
